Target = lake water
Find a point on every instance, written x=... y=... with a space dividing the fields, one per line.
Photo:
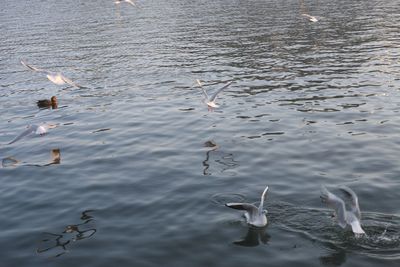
x=137 y=170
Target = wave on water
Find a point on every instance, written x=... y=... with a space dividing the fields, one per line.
x=222 y=198
x=383 y=231
x=56 y=244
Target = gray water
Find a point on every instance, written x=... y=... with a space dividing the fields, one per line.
x=137 y=170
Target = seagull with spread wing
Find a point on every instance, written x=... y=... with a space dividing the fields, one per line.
x=255 y=216
x=126 y=1
x=344 y=216
x=33 y=130
x=210 y=100
x=310 y=18
x=54 y=77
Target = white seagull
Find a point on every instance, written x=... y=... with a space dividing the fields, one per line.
x=54 y=77
x=210 y=101
x=255 y=216
x=33 y=129
x=127 y=1
x=310 y=18
x=351 y=217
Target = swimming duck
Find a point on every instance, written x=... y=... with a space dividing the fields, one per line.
x=46 y=103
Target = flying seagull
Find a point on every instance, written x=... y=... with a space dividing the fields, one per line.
x=310 y=18
x=127 y=1
x=54 y=77
x=210 y=101
x=33 y=129
x=255 y=216
x=344 y=217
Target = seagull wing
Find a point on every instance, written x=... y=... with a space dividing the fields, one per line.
x=354 y=223
x=336 y=203
x=355 y=208
x=250 y=208
x=205 y=93
x=260 y=207
x=311 y=18
x=130 y=2
x=214 y=96
x=32 y=67
x=202 y=89
x=28 y=131
x=70 y=82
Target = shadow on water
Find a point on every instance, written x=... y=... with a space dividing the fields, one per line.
x=54 y=245
x=254 y=237
x=336 y=257
x=382 y=240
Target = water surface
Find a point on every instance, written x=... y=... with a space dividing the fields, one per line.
x=143 y=168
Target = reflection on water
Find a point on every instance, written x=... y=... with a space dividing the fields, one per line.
x=9 y=162
x=101 y=130
x=211 y=144
x=308 y=99
x=254 y=237
x=56 y=244
x=225 y=161
x=55 y=158
x=336 y=258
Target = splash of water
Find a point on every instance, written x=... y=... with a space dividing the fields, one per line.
x=381 y=241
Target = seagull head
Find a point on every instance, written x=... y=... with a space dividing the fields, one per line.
x=264 y=212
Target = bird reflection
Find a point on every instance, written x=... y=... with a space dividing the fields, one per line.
x=55 y=158
x=254 y=237
x=58 y=243
x=48 y=103
x=227 y=160
x=9 y=162
x=211 y=144
x=336 y=258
